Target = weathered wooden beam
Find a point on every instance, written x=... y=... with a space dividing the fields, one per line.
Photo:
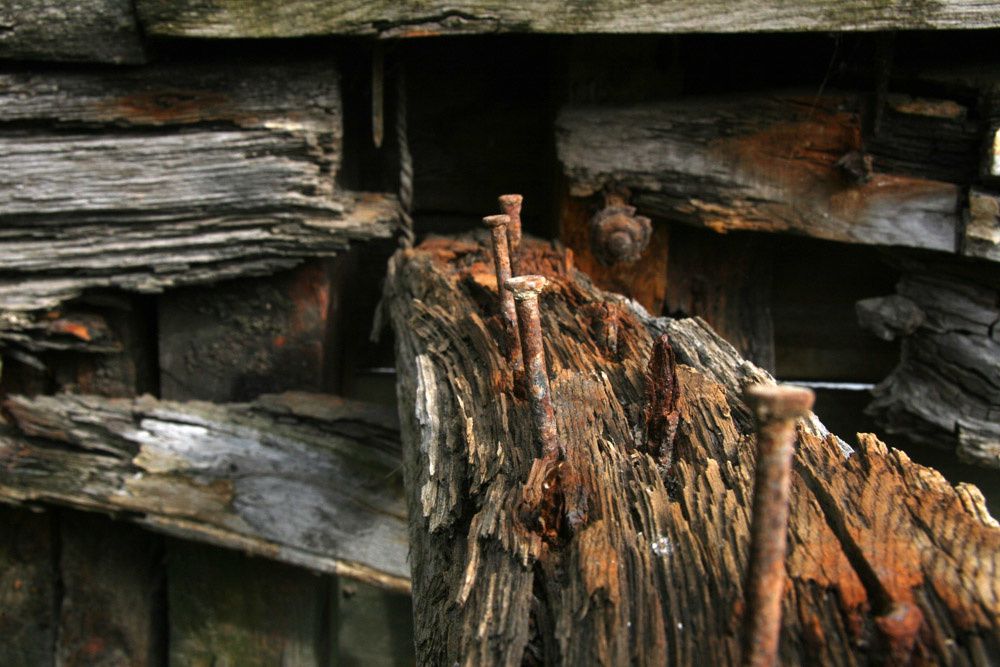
x=71 y=30
x=780 y=163
x=945 y=392
x=307 y=479
x=270 y=18
x=164 y=176
x=633 y=548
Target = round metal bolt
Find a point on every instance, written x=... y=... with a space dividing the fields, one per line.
x=617 y=234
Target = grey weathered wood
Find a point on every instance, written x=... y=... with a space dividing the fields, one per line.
x=632 y=549
x=272 y=18
x=162 y=176
x=373 y=627
x=229 y=609
x=754 y=163
x=307 y=479
x=945 y=391
x=28 y=588
x=112 y=582
x=72 y=30
x=981 y=236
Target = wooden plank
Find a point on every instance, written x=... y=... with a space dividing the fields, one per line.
x=374 y=627
x=71 y=30
x=28 y=589
x=240 y=339
x=270 y=18
x=229 y=609
x=307 y=479
x=631 y=547
x=113 y=597
x=754 y=163
x=946 y=388
x=218 y=172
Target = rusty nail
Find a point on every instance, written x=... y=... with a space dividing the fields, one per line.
x=526 y=290
x=511 y=205
x=499 y=226
x=776 y=407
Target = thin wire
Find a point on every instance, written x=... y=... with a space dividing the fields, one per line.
x=407 y=234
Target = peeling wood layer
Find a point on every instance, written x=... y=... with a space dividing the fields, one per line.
x=306 y=479
x=780 y=163
x=270 y=18
x=608 y=557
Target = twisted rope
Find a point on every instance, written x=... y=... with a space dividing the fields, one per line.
x=405 y=164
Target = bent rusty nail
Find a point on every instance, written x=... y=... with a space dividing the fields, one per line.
x=511 y=205
x=776 y=409
x=526 y=290
x=499 y=224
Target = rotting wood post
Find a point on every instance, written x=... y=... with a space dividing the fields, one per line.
x=526 y=290
x=500 y=230
x=776 y=409
x=511 y=206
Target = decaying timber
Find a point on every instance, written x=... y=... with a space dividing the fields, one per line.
x=633 y=549
x=307 y=479
x=781 y=163
x=194 y=175
x=273 y=18
x=945 y=392
x=74 y=30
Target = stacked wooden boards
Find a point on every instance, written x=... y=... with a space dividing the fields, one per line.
x=906 y=174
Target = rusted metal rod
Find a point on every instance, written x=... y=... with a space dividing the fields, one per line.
x=776 y=409
x=499 y=224
x=511 y=205
x=526 y=290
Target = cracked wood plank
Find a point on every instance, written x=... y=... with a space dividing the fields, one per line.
x=945 y=392
x=776 y=163
x=270 y=18
x=164 y=176
x=103 y=31
x=633 y=550
x=307 y=479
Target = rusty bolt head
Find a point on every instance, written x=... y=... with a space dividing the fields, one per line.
x=496 y=221
x=618 y=235
x=526 y=287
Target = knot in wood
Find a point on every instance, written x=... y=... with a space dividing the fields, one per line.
x=618 y=235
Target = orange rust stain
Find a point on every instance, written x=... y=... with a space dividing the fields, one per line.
x=72 y=329
x=279 y=341
x=171 y=106
x=900 y=627
x=418 y=33
x=93 y=647
x=598 y=562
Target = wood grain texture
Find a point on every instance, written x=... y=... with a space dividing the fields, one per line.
x=71 y=30
x=270 y=18
x=307 y=479
x=945 y=391
x=229 y=609
x=112 y=597
x=28 y=588
x=633 y=550
x=163 y=176
x=758 y=163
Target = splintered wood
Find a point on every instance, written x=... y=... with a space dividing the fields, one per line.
x=633 y=547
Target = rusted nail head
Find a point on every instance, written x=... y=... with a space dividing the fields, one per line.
x=509 y=202
x=524 y=287
x=782 y=401
x=496 y=220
